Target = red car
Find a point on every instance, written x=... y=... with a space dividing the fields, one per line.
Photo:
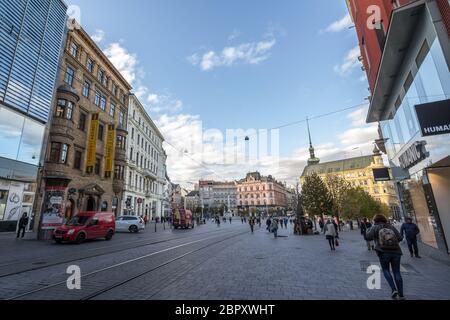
x=87 y=225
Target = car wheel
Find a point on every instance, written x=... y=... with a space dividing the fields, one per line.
x=109 y=235
x=80 y=238
x=134 y=229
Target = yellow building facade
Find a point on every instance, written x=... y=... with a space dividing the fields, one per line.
x=359 y=172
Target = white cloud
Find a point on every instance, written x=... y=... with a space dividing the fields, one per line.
x=350 y=62
x=166 y=103
x=340 y=24
x=123 y=60
x=98 y=36
x=244 y=53
x=358 y=117
x=358 y=136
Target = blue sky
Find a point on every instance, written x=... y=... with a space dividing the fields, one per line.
x=239 y=64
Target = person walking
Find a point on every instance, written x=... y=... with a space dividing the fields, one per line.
x=330 y=234
x=387 y=245
x=365 y=226
x=410 y=231
x=274 y=227
x=251 y=222
x=268 y=224
x=321 y=225
x=23 y=223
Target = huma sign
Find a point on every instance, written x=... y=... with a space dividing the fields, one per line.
x=414 y=155
x=434 y=118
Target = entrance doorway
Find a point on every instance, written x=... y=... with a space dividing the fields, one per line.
x=90 y=205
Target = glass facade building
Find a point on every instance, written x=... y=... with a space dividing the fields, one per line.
x=31 y=39
x=412 y=96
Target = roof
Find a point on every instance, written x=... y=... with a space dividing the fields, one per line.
x=193 y=194
x=339 y=165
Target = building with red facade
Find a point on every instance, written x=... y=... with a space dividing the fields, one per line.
x=405 y=50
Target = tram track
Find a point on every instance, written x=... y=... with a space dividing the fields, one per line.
x=139 y=274
x=129 y=246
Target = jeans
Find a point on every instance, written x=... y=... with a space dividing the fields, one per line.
x=331 y=242
x=412 y=246
x=388 y=261
x=275 y=232
x=23 y=232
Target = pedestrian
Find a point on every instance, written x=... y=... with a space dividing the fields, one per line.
x=410 y=231
x=230 y=220
x=321 y=225
x=387 y=245
x=268 y=224
x=146 y=219
x=350 y=223
x=330 y=234
x=22 y=225
x=274 y=227
x=365 y=226
x=251 y=222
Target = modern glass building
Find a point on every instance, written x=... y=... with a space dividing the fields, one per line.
x=411 y=101
x=31 y=40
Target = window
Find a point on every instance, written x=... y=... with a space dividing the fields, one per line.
x=70 y=74
x=74 y=50
x=100 y=132
x=105 y=81
x=131 y=154
x=86 y=89
x=119 y=172
x=132 y=133
x=121 y=142
x=103 y=103
x=100 y=75
x=90 y=65
x=112 y=110
x=59 y=152
x=121 y=119
x=64 y=109
x=77 y=160
x=97 y=98
x=82 y=122
x=98 y=164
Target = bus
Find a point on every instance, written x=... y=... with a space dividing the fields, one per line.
x=182 y=219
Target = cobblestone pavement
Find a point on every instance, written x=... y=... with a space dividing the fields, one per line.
x=216 y=263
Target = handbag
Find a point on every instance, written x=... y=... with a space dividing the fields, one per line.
x=337 y=242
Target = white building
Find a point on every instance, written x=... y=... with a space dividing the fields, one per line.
x=146 y=164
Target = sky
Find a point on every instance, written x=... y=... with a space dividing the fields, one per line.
x=202 y=67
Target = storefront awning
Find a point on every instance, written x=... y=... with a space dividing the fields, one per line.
x=403 y=23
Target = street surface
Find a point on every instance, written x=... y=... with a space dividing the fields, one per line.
x=209 y=262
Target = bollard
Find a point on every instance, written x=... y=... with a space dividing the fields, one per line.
x=155 y=225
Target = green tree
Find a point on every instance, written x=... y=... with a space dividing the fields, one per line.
x=316 y=198
x=339 y=191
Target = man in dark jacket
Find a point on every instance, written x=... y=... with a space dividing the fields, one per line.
x=410 y=230
x=365 y=226
x=387 y=245
x=23 y=223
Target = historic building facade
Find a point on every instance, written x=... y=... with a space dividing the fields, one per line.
x=261 y=193
x=146 y=164
x=359 y=172
x=28 y=34
x=218 y=195
x=85 y=160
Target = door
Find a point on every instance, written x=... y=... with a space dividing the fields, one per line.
x=90 y=207
x=93 y=229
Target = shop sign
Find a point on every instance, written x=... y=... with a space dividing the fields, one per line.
x=434 y=118
x=92 y=143
x=416 y=153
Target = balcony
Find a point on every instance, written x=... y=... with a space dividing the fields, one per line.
x=149 y=174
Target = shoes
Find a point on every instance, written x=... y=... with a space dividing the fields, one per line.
x=418 y=257
x=412 y=255
x=401 y=298
x=395 y=295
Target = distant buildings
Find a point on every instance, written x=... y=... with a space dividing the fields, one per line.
x=178 y=196
x=257 y=192
x=193 y=201
x=359 y=172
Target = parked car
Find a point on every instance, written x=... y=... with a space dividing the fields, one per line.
x=86 y=226
x=131 y=224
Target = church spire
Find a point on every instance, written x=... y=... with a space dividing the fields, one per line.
x=312 y=160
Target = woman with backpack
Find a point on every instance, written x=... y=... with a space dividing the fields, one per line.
x=387 y=245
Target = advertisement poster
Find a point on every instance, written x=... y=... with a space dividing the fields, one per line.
x=13 y=210
x=53 y=216
x=92 y=142
x=109 y=150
